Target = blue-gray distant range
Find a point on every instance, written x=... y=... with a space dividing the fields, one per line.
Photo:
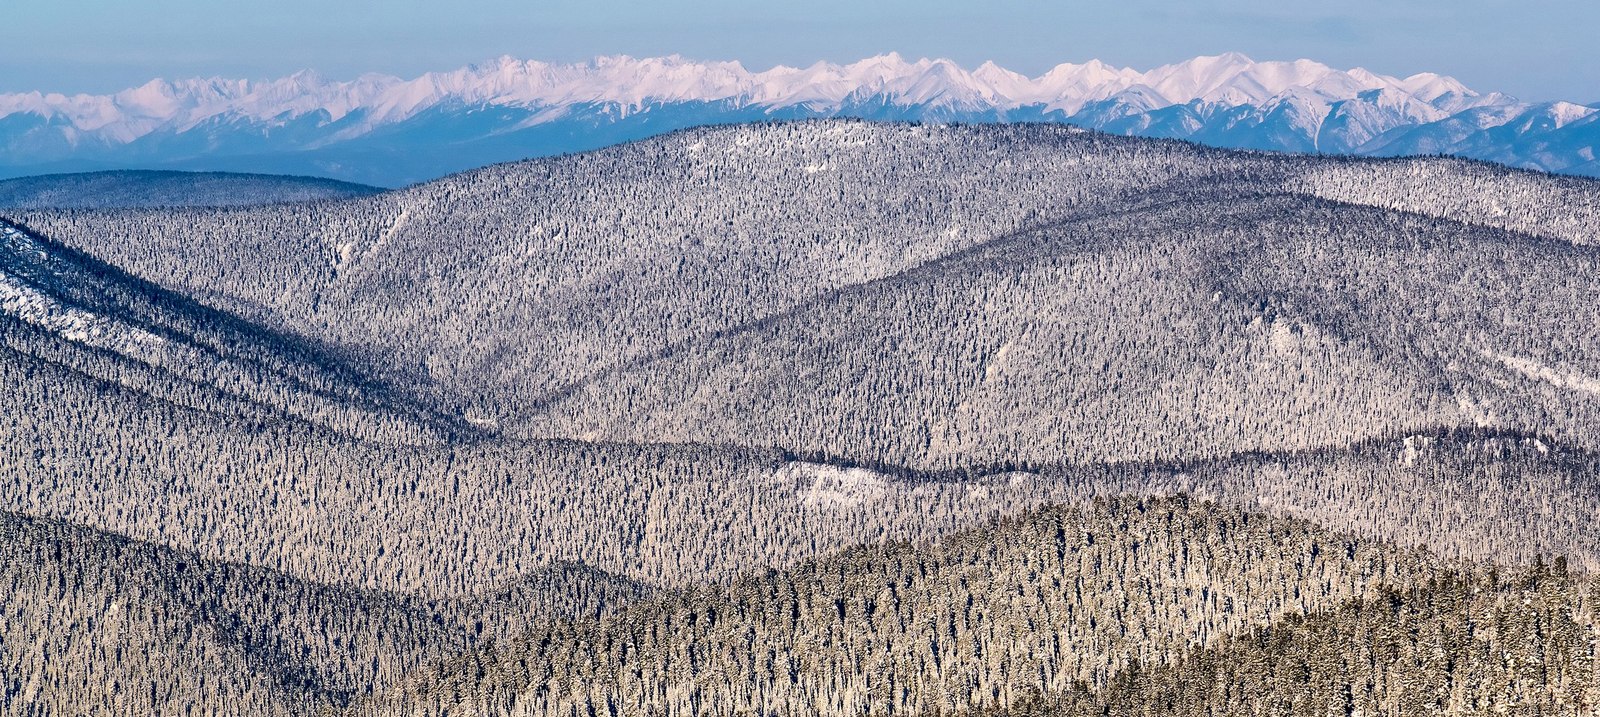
x=383 y=130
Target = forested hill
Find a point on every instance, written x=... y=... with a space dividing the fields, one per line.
x=928 y=295
x=60 y=306
x=1111 y=597
x=99 y=624
x=1496 y=643
x=136 y=188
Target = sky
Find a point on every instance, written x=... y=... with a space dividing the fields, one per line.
x=1533 y=49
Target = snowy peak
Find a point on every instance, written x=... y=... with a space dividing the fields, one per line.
x=1561 y=114
x=1230 y=78
x=1202 y=78
x=508 y=108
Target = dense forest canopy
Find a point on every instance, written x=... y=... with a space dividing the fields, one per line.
x=811 y=418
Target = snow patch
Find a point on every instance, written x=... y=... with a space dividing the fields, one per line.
x=1287 y=338
x=826 y=486
x=1412 y=449
x=22 y=299
x=346 y=254
x=1474 y=410
x=1570 y=380
x=997 y=363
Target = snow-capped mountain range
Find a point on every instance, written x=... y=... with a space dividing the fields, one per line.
x=387 y=130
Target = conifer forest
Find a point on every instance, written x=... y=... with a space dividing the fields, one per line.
x=816 y=418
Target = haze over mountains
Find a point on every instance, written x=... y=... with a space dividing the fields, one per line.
x=829 y=417
x=390 y=131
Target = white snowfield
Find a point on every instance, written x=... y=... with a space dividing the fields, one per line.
x=1228 y=79
x=822 y=485
x=1570 y=380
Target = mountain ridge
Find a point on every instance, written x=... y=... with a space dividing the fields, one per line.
x=636 y=82
x=112 y=189
x=330 y=271
x=508 y=109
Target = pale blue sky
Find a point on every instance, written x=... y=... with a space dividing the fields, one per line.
x=1535 y=49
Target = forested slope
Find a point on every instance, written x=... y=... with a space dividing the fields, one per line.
x=1551 y=206
x=531 y=298
x=1475 y=495
x=1131 y=604
x=68 y=309
x=448 y=520
x=497 y=286
x=1196 y=327
x=1519 y=644
x=441 y=520
x=1051 y=601
x=97 y=624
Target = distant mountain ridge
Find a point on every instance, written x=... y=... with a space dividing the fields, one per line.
x=387 y=130
x=144 y=188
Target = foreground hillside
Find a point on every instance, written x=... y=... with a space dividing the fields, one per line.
x=96 y=624
x=1134 y=604
x=99 y=624
x=1129 y=600
x=1110 y=597
x=1502 y=644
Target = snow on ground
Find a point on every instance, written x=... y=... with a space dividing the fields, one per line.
x=24 y=300
x=1413 y=448
x=1571 y=380
x=834 y=486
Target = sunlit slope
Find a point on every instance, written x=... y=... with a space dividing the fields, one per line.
x=755 y=268
x=496 y=287
x=1187 y=328
x=1056 y=600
